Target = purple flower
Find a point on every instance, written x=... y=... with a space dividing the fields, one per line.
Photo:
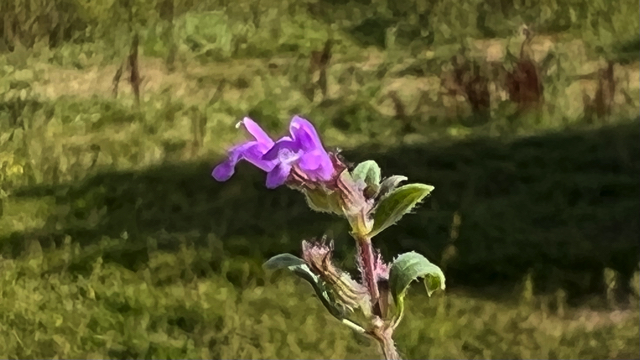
x=251 y=151
x=303 y=150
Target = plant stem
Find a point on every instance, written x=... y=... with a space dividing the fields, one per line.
x=368 y=268
x=389 y=349
x=379 y=331
x=384 y=335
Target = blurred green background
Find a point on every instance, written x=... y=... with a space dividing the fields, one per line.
x=115 y=242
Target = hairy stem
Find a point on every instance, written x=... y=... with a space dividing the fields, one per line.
x=367 y=262
x=388 y=348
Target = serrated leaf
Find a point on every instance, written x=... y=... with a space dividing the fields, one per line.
x=407 y=268
x=411 y=266
x=300 y=268
x=367 y=171
x=396 y=204
x=389 y=184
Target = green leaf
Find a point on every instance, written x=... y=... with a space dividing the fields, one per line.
x=300 y=268
x=407 y=268
x=389 y=184
x=282 y=261
x=323 y=201
x=367 y=171
x=317 y=201
x=394 y=206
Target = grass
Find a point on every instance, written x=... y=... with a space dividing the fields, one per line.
x=58 y=304
x=116 y=243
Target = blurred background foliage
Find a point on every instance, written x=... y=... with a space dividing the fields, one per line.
x=115 y=242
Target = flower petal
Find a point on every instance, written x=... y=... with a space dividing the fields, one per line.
x=310 y=161
x=317 y=165
x=223 y=171
x=305 y=134
x=256 y=131
x=278 y=175
x=284 y=146
x=254 y=155
x=250 y=151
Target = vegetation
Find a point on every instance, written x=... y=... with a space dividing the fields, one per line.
x=116 y=243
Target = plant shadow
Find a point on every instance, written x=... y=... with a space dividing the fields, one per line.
x=562 y=205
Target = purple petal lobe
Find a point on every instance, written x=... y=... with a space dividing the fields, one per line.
x=317 y=165
x=282 y=150
x=251 y=151
x=310 y=161
x=254 y=155
x=305 y=134
x=315 y=162
x=278 y=175
x=223 y=171
x=256 y=131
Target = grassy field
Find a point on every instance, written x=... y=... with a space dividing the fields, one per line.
x=115 y=242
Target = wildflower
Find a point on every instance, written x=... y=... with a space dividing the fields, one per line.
x=251 y=151
x=303 y=151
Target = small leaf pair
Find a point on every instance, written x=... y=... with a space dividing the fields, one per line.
x=392 y=202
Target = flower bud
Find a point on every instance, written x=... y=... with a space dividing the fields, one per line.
x=355 y=205
x=345 y=291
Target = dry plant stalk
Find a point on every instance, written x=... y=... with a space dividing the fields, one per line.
x=477 y=91
x=319 y=61
x=134 y=77
x=602 y=103
x=9 y=29
x=524 y=83
x=166 y=10
x=116 y=80
x=451 y=82
x=198 y=130
x=400 y=110
x=467 y=80
x=131 y=64
x=605 y=91
x=423 y=102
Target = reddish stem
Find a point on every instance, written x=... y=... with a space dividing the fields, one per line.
x=367 y=261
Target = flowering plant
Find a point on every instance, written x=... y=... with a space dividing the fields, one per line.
x=370 y=205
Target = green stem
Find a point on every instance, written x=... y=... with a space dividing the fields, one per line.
x=400 y=309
